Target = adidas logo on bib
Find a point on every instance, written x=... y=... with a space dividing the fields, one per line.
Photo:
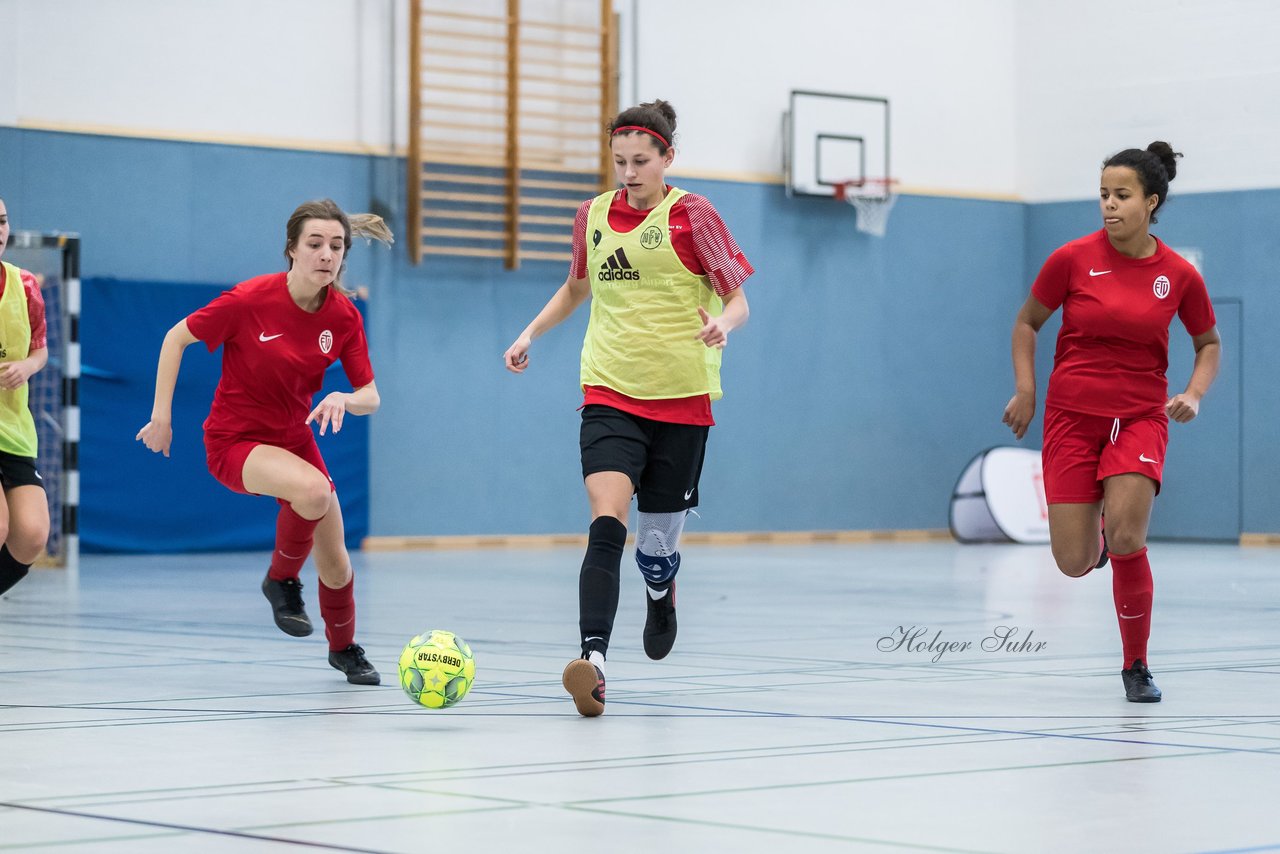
x=617 y=268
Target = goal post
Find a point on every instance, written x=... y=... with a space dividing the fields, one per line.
x=54 y=393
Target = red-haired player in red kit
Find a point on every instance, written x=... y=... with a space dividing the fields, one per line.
x=1106 y=420
x=279 y=333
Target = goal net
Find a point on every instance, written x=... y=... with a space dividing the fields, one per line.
x=54 y=393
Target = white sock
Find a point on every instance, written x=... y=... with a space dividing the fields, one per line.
x=597 y=658
x=655 y=595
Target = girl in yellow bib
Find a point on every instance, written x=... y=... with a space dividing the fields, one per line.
x=665 y=281
x=24 y=514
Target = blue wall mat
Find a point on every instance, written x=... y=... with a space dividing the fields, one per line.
x=1200 y=496
x=871 y=371
x=136 y=501
x=154 y=210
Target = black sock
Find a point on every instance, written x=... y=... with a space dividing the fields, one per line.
x=599 y=581
x=11 y=572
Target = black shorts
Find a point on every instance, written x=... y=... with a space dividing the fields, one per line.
x=664 y=461
x=19 y=471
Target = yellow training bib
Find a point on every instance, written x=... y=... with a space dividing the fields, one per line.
x=17 y=427
x=644 y=311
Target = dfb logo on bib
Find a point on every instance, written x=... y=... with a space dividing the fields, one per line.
x=1161 y=287
x=326 y=337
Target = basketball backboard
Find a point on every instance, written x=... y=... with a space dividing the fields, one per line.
x=832 y=138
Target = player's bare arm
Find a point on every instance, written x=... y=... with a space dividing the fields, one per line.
x=1021 y=408
x=1185 y=406
x=157 y=434
x=564 y=302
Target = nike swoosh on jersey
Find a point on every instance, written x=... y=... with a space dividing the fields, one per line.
x=1093 y=272
x=1134 y=617
x=1143 y=458
x=262 y=336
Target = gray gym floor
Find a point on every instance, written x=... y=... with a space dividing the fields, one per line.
x=148 y=704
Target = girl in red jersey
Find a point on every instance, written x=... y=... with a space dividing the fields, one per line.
x=658 y=264
x=24 y=513
x=1108 y=407
x=278 y=333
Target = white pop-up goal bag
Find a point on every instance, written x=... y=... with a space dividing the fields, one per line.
x=1000 y=498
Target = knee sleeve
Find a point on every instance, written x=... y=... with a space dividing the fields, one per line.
x=657 y=546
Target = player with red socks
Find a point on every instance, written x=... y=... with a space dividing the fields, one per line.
x=658 y=263
x=1107 y=411
x=279 y=333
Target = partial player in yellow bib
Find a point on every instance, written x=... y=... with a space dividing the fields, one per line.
x=665 y=281
x=24 y=514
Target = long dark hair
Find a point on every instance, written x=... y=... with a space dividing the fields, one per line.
x=1156 y=166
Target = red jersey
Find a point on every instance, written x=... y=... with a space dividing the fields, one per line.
x=704 y=245
x=274 y=355
x=35 y=309
x=1113 y=349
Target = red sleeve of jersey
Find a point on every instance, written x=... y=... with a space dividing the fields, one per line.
x=578 y=266
x=716 y=249
x=1196 y=311
x=35 y=312
x=216 y=322
x=355 y=354
x=1051 y=285
x=682 y=240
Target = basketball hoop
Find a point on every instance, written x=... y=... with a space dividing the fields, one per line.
x=872 y=200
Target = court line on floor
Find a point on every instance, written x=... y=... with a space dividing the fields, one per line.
x=190 y=828
x=989 y=730
x=593 y=807
x=886 y=778
x=410 y=780
x=788 y=832
x=401 y=709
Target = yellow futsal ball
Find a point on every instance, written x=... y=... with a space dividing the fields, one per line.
x=436 y=669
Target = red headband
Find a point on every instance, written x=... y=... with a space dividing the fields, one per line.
x=652 y=133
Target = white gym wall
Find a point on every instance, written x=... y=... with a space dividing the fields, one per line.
x=989 y=97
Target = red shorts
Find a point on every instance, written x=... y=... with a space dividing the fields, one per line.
x=1081 y=450
x=226 y=456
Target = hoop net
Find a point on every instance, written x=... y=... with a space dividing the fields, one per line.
x=872 y=201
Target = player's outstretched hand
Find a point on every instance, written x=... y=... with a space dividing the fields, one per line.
x=1183 y=407
x=330 y=412
x=1019 y=412
x=516 y=359
x=157 y=436
x=711 y=333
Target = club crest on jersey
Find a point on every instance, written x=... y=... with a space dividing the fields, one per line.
x=1161 y=287
x=326 y=341
x=617 y=268
x=651 y=238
